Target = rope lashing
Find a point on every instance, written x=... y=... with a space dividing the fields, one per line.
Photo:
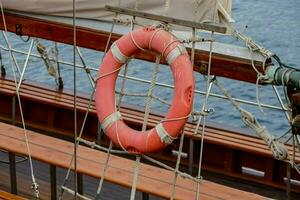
x=279 y=151
x=43 y=52
x=35 y=189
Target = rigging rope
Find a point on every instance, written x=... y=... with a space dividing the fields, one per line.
x=42 y=51
x=34 y=185
x=278 y=149
x=75 y=98
x=50 y=61
x=177 y=164
x=204 y=109
x=97 y=196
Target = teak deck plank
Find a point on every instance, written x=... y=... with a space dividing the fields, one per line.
x=151 y=180
x=8 y=196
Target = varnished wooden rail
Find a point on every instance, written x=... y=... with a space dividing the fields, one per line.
x=152 y=180
x=225 y=151
x=8 y=196
x=222 y=65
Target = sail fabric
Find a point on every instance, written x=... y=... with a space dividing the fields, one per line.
x=212 y=11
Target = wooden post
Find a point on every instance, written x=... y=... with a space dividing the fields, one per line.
x=191 y=155
x=53 y=182
x=80 y=183
x=13 y=173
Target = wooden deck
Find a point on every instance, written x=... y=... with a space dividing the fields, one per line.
x=109 y=191
x=226 y=151
x=8 y=196
x=152 y=180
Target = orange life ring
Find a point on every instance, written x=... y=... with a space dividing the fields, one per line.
x=175 y=54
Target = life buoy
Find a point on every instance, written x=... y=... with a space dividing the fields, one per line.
x=175 y=54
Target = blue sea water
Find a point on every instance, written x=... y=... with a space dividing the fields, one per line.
x=273 y=24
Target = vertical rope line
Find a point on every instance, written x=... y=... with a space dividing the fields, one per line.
x=135 y=177
x=75 y=99
x=144 y=127
x=77 y=143
x=12 y=60
x=150 y=92
x=121 y=95
x=138 y=157
x=109 y=38
x=205 y=108
x=97 y=196
x=183 y=131
x=177 y=164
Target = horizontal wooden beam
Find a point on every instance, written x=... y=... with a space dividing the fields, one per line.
x=226 y=152
x=222 y=65
x=170 y=20
x=151 y=180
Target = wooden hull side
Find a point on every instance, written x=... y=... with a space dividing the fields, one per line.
x=225 y=152
x=222 y=65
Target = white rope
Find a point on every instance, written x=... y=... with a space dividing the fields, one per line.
x=72 y=192
x=100 y=185
x=132 y=38
x=88 y=109
x=279 y=151
x=25 y=66
x=150 y=92
x=177 y=164
x=152 y=37
x=167 y=46
x=253 y=47
x=144 y=126
x=109 y=73
x=205 y=108
x=182 y=174
x=85 y=68
x=41 y=49
x=34 y=185
x=97 y=197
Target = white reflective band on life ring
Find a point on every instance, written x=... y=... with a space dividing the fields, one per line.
x=179 y=50
x=165 y=137
x=118 y=54
x=110 y=120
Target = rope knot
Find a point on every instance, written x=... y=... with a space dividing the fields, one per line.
x=35 y=188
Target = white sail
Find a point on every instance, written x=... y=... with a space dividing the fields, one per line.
x=212 y=11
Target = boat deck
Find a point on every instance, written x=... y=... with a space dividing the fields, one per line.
x=226 y=152
x=109 y=191
x=152 y=180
